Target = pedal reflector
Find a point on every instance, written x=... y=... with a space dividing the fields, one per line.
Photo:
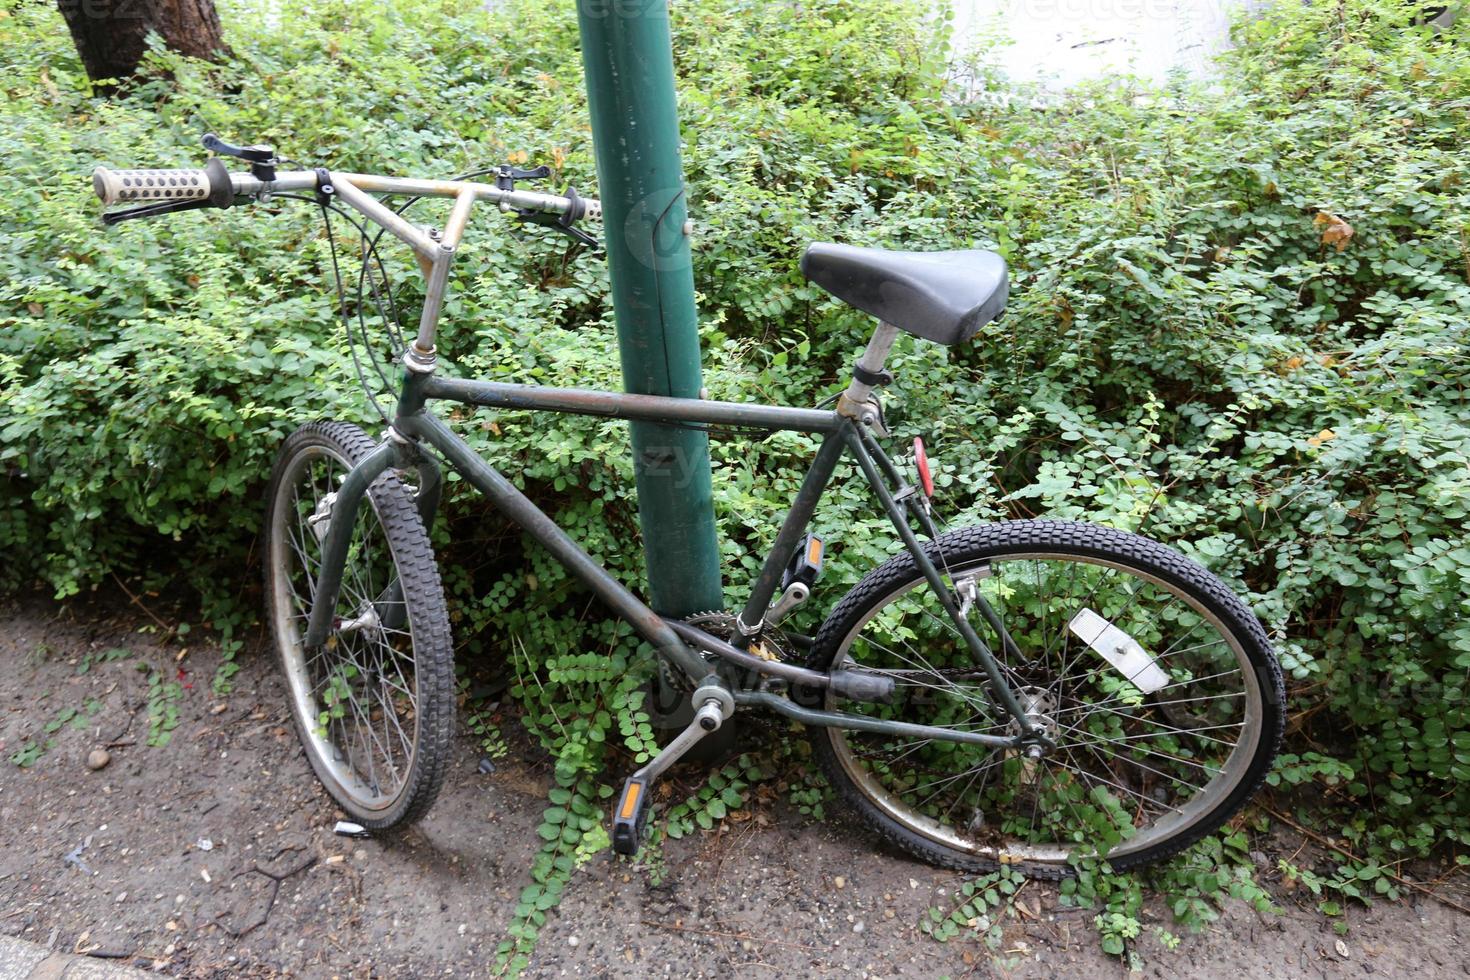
x=628 y=821
x=806 y=563
x=1120 y=650
x=631 y=794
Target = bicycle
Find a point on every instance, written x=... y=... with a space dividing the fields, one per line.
x=1022 y=693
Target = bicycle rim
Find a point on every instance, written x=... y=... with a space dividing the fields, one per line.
x=1134 y=769
x=356 y=698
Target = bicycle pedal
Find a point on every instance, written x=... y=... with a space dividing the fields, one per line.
x=715 y=705
x=630 y=820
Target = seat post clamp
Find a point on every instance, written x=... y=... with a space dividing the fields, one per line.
x=874 y=379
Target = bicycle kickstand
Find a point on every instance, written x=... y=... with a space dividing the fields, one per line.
x=629 y=819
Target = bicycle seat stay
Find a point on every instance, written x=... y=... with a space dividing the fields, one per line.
x=940 y=296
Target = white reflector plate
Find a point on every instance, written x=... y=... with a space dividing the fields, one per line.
x=1120 y=650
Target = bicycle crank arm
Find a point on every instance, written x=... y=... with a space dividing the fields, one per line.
x=836 y=719
x=631 y=816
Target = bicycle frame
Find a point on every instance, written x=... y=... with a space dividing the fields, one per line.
x=841 y=431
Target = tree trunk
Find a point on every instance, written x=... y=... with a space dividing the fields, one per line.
x=112 y=35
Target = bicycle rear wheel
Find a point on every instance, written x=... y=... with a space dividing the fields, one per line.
x=374 y=705
x=1152 y=754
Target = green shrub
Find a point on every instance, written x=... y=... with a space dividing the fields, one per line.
x=1195 y=347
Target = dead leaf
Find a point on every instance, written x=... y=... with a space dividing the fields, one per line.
x=35 y=309
x=1335 y=231
x=1293 y=363
x=1325 y=436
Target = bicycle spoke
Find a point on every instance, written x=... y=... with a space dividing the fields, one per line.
x=999 y=661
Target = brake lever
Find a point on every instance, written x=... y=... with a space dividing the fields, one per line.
x=153 y=210
x=564 y=223
x=558 y=222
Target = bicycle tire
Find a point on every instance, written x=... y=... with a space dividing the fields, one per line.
x=876 y=789
x=401 y=674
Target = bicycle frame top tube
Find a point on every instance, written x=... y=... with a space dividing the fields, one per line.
x=619 y=405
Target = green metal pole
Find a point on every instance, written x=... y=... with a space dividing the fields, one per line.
x=628 y=59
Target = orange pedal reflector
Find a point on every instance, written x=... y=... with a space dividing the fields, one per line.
x=631 y=792
x=628 y=822
x=814 y=551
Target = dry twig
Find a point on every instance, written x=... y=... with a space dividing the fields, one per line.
x=1332 y=845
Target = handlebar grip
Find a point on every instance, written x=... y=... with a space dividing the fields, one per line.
x=212 y=184
x=114 y=186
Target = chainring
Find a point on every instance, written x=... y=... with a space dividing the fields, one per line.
x=771 y=645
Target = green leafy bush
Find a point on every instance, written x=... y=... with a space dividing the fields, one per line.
x=1239 y=324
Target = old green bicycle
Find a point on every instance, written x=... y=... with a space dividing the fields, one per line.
x=1021 y=693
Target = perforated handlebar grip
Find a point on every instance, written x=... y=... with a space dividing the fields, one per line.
x=114 y=186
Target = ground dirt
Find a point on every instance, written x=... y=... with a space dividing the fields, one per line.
x=213 y=855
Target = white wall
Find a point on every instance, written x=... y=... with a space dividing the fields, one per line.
x=1065 y=41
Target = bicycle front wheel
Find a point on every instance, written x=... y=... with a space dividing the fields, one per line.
x=374 y=705
x=1157 y=684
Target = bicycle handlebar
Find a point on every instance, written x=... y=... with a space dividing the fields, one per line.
x=217 y=186
x=168 y=191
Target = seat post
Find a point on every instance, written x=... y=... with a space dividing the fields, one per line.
x=869 y=364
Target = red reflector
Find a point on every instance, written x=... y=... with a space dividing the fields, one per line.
x=921 y=463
